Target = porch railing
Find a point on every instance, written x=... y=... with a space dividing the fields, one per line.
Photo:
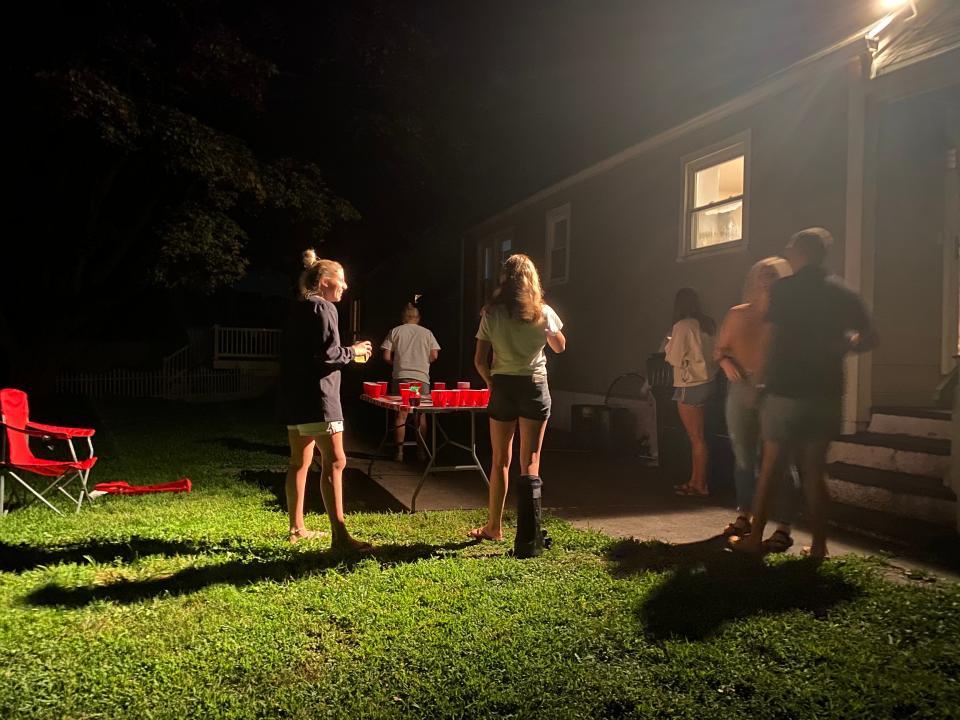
x=245 y=343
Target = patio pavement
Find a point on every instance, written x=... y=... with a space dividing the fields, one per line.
x=622 y=497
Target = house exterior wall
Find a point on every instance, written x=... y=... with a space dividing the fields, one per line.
x=909 y=237
x=624 y=230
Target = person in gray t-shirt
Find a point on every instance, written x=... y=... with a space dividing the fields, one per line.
x=410 y=348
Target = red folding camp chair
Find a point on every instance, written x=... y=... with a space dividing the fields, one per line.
x=17 y=456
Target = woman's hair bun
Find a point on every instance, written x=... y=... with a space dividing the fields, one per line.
x=309 y=258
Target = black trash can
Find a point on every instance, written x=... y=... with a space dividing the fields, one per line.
x=602 y=427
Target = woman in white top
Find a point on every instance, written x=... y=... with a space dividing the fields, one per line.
x=516 y=325
x=690 y=352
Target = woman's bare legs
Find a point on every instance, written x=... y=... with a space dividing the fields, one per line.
x=301 y=455
x=692 y=418
x=501 y=442
x=531 y=441
x=333 y=463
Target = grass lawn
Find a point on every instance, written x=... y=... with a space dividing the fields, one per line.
x=196 y=606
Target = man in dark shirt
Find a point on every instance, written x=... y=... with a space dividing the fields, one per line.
x=815 y=321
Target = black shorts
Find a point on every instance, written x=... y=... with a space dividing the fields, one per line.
x=513 y=396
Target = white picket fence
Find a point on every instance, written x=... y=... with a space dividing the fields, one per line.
x=180 y=376
x=196 y=383
x=245 y=343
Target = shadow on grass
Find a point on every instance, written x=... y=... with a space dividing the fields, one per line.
x=238 y=573
x=360 y=492
x=21 y=558
x=232 y=443
x=709 y=587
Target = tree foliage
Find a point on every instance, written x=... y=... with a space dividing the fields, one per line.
x=149 y=124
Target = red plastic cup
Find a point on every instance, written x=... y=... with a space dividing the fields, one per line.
x=453 y=398
x=370 y=389
x=439 y=386
x=478 y=400
x=404 y=386
x=439 y=398
x=384 y=388
x=484 y=397
x=463 y=385
x=405 y=395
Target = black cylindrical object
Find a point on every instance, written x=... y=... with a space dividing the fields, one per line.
x=531 y=539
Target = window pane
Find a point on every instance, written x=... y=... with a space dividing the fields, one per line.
x=558 y=264
x=718 y=225
x=560 y=234
x=719 y=182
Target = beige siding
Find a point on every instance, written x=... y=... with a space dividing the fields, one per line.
x=624 y=230
x=909 y=253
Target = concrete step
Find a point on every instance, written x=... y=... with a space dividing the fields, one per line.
x=894 y=452
x=917 y=422
x=895 y=493
x=918 y=534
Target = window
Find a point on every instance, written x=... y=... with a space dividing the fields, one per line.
x=558 y=245
x=492 y=251
x=715 y=198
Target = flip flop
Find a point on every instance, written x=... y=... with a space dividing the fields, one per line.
x=480 y=534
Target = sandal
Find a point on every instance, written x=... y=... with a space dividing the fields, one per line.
x=480 y=534
x=739 y=527
x=298 y=534
x=779 y=542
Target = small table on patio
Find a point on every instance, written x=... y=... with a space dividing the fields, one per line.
x=392 y=403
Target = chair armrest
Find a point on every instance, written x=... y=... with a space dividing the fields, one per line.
x=67 y=431
x=32 y=432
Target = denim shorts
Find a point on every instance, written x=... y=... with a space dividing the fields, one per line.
x=519 y=396
x=807 y=419
x=695 y=395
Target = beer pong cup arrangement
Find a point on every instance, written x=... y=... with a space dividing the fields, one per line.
x=440 y=396
x=373 y=389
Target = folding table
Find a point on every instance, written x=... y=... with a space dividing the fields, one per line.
x=392 y=403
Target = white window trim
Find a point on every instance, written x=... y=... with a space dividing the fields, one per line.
x=739 y=144
x=553 y=216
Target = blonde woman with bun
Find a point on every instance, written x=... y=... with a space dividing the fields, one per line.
x=309 y=400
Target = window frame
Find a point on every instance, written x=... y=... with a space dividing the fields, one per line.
x=717 y=154
x=552 y=217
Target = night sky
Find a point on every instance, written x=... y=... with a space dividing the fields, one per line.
x=425 y=116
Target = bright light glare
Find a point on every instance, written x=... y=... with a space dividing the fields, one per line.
x=891 y=4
